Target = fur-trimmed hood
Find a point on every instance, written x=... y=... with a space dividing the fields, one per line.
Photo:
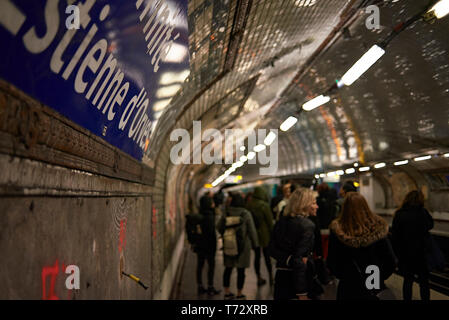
x=377 y=231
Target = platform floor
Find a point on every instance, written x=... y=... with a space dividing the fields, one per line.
x=188 y=288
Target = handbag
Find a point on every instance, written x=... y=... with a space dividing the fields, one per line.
x=321 y=271
x=315 y=289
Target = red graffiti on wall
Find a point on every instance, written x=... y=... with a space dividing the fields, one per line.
x=154 y=221
x=122 y=236
x=53 y=273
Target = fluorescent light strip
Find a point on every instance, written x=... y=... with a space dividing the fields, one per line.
x=322 y=175
x=362 y=169
x=259 y=147
x=350 y=171
x=218 y=181
x=380 y=165
x=287 y=124
x=331 y=174
x=446 y=155
x=243 y=159
x=269 y=138
x=315 y=102
x=317 y=176
x=400 y=163
x=423 y=158
x=251 y=155
x=340 y=172
x=441 y=9
x=361 y=66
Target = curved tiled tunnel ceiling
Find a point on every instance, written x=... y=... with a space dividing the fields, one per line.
x=294 y=50
x=398 y=108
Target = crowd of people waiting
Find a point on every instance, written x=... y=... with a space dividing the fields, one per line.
x=315 y=238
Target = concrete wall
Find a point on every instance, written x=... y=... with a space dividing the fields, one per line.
x=98 y=235
x=69 y=198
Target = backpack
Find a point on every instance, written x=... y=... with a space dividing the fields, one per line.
x=233 y=241
x=193 y=228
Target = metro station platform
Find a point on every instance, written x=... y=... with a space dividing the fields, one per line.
x=187 y=287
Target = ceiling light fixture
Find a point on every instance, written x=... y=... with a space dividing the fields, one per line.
x=288 y=123
x=361 y=66
x=380 y=165
x=400 y=163
x=269 y=138
x=350 y=171
x=251 y=155
x=362 y=169
x=422 y=158
x=316 y=102
x=259 y=147
x=440 y=9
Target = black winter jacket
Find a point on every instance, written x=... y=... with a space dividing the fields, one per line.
x=291 y=240
x=317 y=244
x=411 y=238
x=207 y=244
x=349 y=256
x=327 y=209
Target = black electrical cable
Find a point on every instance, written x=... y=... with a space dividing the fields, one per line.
x=404 y=25
x=393 y=34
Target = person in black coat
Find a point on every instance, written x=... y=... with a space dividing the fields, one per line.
x=326 y=202
x=411 y=241
x=358 y=239
x=292 y=244
x=207 y=245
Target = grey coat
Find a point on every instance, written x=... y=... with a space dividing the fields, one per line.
x=250 y=235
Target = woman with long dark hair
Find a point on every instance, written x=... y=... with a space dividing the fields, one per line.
x=411 y=241
x=358 y=239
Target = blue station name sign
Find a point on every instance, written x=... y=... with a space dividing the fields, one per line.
x=97 y=62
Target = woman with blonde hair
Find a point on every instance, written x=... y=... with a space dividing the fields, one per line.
x=292 y=245
x=358 y=239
